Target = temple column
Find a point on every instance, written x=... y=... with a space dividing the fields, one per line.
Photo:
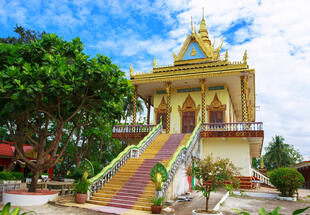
x=148 y=110
x=244 y=87
x=168 y=89
x=203 y=101
x=135 y=106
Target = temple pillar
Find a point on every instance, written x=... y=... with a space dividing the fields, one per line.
x=135 y=106
x=203 y=101
x=168 y=89
x=244 y=87
x=148 y=110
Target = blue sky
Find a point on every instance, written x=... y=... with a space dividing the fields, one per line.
x=274 y=32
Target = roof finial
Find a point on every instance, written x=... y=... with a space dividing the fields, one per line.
x=195 y=27
x=154 y=63
x=245 y=57
x=226 y=55
x=131 y=70
x=192 y=24
x=203 y=13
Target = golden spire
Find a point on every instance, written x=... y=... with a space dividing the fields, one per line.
x=192 y=24
x=245 y=57
x=226 y=55
x=131 y=70
x=154 y=63
x=203 y=32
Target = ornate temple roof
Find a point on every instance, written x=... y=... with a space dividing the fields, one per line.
x=198 y=58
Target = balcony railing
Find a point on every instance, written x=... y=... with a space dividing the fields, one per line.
x=130 y=131
x=234 y=129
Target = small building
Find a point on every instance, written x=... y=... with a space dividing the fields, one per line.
x=8 y=155
x=304 y=169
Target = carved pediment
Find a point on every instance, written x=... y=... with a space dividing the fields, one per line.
x=162 y=107
x=189 y=105
x=216 y=104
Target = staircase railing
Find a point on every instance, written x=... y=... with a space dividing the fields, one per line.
x=264 y=179
x=132 y=129
x=181 y=154
x=129 y=152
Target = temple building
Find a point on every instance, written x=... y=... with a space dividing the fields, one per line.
x=203 y=104
x=200 y=86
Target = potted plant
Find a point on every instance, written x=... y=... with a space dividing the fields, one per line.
x=287 y=181
x=212 y=174
x=158 y=176
x=82 y=186
x=157 y=205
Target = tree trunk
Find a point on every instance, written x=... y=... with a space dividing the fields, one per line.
x=34 y=182
x=207 y=202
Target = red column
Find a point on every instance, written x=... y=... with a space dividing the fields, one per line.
x=50 y=173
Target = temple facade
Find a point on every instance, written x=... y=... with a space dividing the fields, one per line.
x=201 y=86
x=203 y=104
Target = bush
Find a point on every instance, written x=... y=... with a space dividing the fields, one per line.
x=76 y=174
x=6 y=176
x=17 y=176
x=286 y=180
x=82 y=186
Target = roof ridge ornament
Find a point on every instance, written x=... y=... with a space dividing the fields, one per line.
x=131 y=70
x=245 y=57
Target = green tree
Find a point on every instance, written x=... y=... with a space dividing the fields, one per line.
x=48 y=84
x=279 y=154
x=128 y=107
x=24 y=36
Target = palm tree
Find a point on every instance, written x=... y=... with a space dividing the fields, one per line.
x=280 y=154
x=128 y=107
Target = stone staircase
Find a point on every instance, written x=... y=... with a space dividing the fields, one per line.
x=131 y=186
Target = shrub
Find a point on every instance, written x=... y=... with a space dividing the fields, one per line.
x=5 y=176
x=212 y=174
x=82 y=186
x=286 y=180
x=157 y=201
x=17 y=175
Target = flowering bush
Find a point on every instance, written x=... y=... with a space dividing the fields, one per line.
x=212 y=174
x=286 y=180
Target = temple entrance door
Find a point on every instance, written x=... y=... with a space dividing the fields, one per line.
x=164 y=119
x=188 y=121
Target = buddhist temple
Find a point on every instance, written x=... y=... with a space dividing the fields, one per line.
x=203 y=104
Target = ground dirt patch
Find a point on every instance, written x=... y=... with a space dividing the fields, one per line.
x=252 y=205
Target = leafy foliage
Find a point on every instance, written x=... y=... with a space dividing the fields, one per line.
x=158 y=201
x=16 y=211
x=212 y=174
x=4 y=175
x=47 y=89
x=25 y=36
x=159 y=175
x=87 y=166
x=279 y=154
x=286 y=180
x=275 y=211
x=82 y=186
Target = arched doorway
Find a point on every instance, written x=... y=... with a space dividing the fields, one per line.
x=161 y=112
x=188 y=115
x=216 y=111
